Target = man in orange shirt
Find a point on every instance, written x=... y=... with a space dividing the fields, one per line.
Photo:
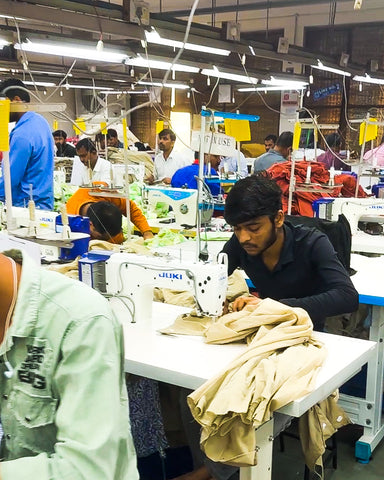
x=105 y=220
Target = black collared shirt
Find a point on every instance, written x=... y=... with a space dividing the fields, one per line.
x=307 y=275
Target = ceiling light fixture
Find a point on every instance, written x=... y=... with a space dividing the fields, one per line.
x=215 y=72
x=321 y=66
x=4 y=42
x=122 y=92
x=367 y=79
x=40 y=84
x=286 y=83
x=152 y=36
x=160 y=65
x=167 y=85
x=275 y=88
x=62 y=50
x=87 y=87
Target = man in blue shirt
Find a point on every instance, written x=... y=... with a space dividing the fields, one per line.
x=279 y=153
x=185 y=177
x=31 y=152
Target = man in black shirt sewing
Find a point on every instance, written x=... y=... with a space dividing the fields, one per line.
x=293 y=264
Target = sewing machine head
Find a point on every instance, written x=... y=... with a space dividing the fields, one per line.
x=183 y=202
x=131 y=278
x=356 y=210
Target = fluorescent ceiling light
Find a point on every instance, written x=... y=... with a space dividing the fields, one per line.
x=62 y=50
x=214 y=72
x=153 y=36
x=143 y=62
x=89 y=87
x=367 y=79
x=280 y=81
x=40 y=84
x=121 y=92
x=320 y=66
x=167 y=85
x=275 y=88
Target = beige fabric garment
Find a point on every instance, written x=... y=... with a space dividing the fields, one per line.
x=316 y=426
x=136 y=245
x=116 y=155
x=279 y=366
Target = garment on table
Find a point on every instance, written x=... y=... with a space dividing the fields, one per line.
x=280 y=365
x=115 y=155
x=315 y=427
x=267 y=160
x=65 y=150
x=301 y=200
x=64 y=410
x=307 y=275
x=230 y=164
x=349 y=186
x=185 y=177
x=83 y=196
x=31 y=160
x=375 y=156
x=165 y=168
x=329 y=159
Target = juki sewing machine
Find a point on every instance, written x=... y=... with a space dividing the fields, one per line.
x=356 y=210
x=132 y=277
x=183 y=202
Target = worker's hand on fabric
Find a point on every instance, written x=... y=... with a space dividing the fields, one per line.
x=241 y=302
x=167 y=180
x=147 y=235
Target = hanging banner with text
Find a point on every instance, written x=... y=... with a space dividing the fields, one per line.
x=215 y=143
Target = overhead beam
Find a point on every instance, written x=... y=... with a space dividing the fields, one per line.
x=246 y=7
x=73 y=20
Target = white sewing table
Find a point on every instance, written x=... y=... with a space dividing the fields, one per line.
x=188 y=362
x=366 y=243
x=367 y=411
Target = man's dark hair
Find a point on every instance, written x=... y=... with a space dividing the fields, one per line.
x=271 y=137
x=106 y=218
x=253 y=197
x=13 y=87
x=111 y=133
x=168 y=131
x=285 y=140
x=87 y=144
x=333 y=140
x=59 y=133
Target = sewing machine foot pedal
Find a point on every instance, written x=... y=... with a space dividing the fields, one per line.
x=363 y=452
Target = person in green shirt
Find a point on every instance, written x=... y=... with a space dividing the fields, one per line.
x=63 y=400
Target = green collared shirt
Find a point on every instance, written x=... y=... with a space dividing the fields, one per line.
x=64 y=410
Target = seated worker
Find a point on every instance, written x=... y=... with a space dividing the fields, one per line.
x=94 y=168
x=63 y=149
x=185 y=177
x=167 y=161
x=332 y=157
x=295 y=265
x=230 y=165
x=292 y=264
x=112 y=139
x=63 y=399
x=270 y=142
x=279 y=153
x=375 y=157
x=106 y=221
